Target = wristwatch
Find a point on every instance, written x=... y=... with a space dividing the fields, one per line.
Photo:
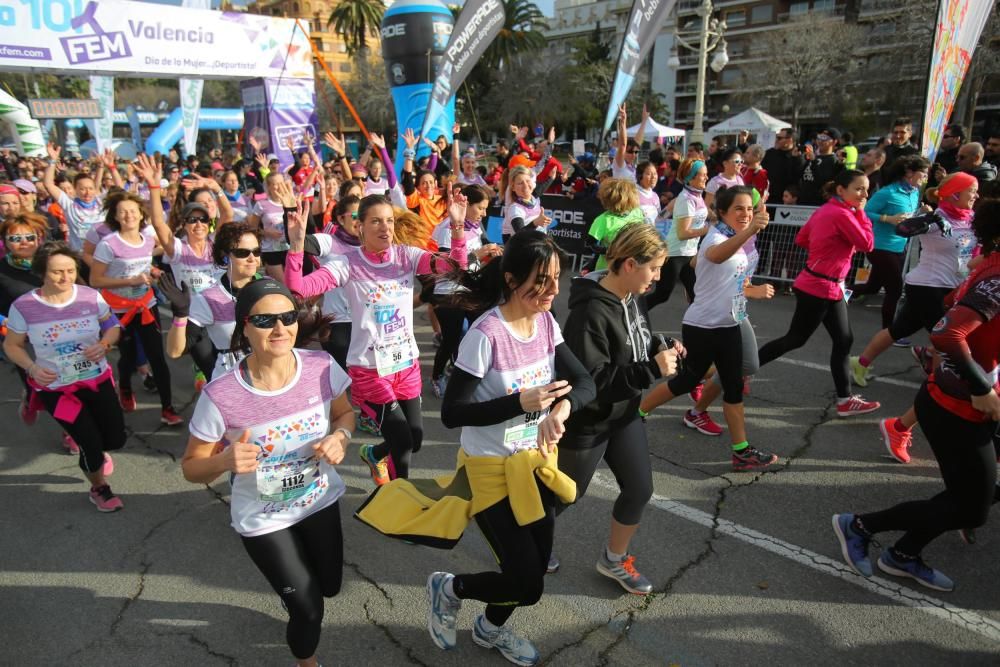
x=345 y=431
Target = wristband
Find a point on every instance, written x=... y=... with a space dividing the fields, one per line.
x=180 y=322
x=345 y=431
x=153 y=187
x=105 y=344
x=409 y=153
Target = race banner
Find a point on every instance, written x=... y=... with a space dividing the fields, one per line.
x=190 y=106
x=138 y=39
x=478 y=25
x=102 y=89
x=643 y=26
x=571 y=220
x=956 y=33
x=276 y=111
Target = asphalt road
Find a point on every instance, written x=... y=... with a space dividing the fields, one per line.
x=745 y=566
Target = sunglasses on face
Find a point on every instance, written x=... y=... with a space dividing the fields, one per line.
x=737 y=161
x=243 y=253
x=17 y=238
x=197 y=219
x=270 y=320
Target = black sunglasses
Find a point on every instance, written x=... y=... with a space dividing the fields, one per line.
x=243 y=253
x=195 y=219
x=270 y=320
x=17 y=238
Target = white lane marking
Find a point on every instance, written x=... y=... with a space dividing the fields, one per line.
x=968 y=620
x=826 y=367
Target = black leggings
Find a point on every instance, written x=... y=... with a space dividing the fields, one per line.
x=100 y=426
x=887 y=272
x=626 y=451
x=922 y=308
x=522 y=553
x=722 y=347
x=676 y=268
x=451 y=320
x=338 y=342
x=200 y=347
x=810 y=312
x=748 y=342
x=402 y=426
x=967 y=459
x=303 y=563
x=152 y=343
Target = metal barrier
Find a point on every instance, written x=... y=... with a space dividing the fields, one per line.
x=780 y=259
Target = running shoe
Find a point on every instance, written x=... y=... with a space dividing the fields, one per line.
x=696 y=392
x=702 y=423
x=860 y=373
x=438 y=386
x=443 y=611
x=853 y=545
x=149 y=383
x=924 y=358
x=897 y=442
x=108 y=467
x=199 y=382
x=624 y=573
x=127 y=399
x=751 y=458
x=28 y=414
x=553 y=565
x=856 y=405
x=967 y=535
x=69 y=444
x=902 y=342
x=104 y=499
x=379 y=467
x=368 y=425
x=515 y=649
x=915 y=569
x=170 y=418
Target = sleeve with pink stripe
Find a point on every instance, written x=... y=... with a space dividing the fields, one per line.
x=317 y=282
x=458 y=254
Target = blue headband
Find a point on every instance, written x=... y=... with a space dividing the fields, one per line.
x=696 y=166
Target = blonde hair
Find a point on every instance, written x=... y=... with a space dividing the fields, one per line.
x=410 y=229
x=618 y=195
x=507 y=180
x=637 y=241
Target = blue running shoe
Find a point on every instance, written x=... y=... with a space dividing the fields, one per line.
x=853 y=545
x=443 y=611
x=517 y=650
x=915 y=569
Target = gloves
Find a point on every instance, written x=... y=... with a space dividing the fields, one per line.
x=921 y=224
x=179 y=297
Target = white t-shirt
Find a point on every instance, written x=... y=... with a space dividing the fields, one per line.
x=198 y=272
x=687 y=205
x=272 y=217
x=79 y=219
x=719 y=180
x=214 y=309
x=125 y=260
x=527 y=211
x=97 y=233
x=59 y=333
x=442 y=236
x=335 y=300
x=289 y=484
x=380 y=297
x=649 y=202
x=944 y=260
x=626 y=171
x=507 y=364
x=719 y=300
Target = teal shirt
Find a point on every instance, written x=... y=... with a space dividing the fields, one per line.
x=893 y=199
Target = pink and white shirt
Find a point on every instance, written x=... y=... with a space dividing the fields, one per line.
x=507 y=364
x=214 y=309
x=272 y=217
x=125 y=260
x=198 y=271
x=289 y=484
x=59 y=333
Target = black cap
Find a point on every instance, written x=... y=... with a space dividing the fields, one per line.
x=194 y=206
x=256 y=290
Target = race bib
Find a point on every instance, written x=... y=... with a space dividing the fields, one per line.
x=523 y=435
x=392 y=356
x=75 y=367
x=846 y=292
x=284 y=480
x=739 y=310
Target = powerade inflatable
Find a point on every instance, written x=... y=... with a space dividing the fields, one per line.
x=414 y=36
x=171 y=130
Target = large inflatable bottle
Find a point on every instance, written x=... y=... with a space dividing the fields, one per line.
x=414 y=36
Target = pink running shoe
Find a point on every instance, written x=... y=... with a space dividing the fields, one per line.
x=702 y=423
x=104 y=499
x=696 y=392
x=856 y=405
x=69 y=444
x=28 y=414
x=897 y=442
x=109 y=465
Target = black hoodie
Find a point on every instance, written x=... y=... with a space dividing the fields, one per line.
x=612 y=340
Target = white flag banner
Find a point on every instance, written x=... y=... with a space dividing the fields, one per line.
x=102 y=89
x=191 y=90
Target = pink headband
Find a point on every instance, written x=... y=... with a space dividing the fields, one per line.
x=956 y=183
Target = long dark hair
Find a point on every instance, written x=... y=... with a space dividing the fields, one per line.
x=904 y=164
x=842 y=180
x=986 y=224
x=487 y=287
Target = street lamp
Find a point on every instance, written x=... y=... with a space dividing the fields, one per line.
x=710 y=36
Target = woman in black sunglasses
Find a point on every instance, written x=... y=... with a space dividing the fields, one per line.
x=235 y=253
x=285 y=491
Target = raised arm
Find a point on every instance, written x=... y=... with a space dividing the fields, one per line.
x=339 y=147
x=378 y=141
x=152 y=173
x=456 y=162
x=49 y=178
x=641 y=134
x=717 y=254
x=622 y=142
x=108 y=159
x=317 y=282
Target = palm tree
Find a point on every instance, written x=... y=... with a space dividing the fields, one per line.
x=355 y=20
x=521 y=33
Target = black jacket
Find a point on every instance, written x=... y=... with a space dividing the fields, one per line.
x=612 y=340
x=14 y=283
x=783 y=169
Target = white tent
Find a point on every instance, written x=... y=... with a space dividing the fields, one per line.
x=654 y=129
x=754 y=120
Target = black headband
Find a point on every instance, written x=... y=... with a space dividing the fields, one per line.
x=256 y=290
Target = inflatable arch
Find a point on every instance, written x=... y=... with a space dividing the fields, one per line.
x=26 y=130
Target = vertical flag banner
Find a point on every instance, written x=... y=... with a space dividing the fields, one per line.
x=643 y=26
x=956 y=33
x=132 y=115
x=478 y=25
x=102 y=89
x=190 y=107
